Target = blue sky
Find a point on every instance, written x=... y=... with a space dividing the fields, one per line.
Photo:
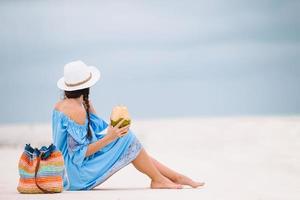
x=165 y=58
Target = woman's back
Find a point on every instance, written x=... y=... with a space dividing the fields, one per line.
x=68 y=119
x=72 y=109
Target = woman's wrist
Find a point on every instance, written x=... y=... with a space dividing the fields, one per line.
x=108 y=138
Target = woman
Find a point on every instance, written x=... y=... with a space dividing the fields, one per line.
x=94 y=150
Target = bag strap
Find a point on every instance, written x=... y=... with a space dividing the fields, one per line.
x=35 y=174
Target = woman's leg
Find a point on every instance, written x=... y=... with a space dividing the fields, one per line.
x=175 y=176
x=145 y=165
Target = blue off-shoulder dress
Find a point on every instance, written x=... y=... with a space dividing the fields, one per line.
x=85 y=173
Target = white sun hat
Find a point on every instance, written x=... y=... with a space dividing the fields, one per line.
x=77 y=75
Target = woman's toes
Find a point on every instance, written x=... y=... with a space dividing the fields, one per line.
x=184 y=180
x=197 y=184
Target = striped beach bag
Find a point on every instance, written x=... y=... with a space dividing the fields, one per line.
x=41 y=170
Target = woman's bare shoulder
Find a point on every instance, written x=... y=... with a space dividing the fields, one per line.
x=73 y=111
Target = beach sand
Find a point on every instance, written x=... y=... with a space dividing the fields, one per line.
x=238 y=158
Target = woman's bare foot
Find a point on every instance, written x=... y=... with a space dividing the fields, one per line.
x=164 y=183
x=184 y=180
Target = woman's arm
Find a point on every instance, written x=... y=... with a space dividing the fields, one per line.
x=96 y=146
x=112 y=134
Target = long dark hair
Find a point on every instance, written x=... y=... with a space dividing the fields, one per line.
x=76 y=94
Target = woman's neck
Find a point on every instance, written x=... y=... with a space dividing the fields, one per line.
x=78 y=100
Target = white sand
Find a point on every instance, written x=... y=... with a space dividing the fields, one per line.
x=239 y=158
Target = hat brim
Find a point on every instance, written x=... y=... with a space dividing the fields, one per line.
x=95 y=77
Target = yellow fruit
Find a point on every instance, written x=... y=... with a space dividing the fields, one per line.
x=119 y=113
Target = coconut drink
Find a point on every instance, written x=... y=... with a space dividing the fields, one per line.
x=119 y=113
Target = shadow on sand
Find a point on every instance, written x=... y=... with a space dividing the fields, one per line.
x=124 y=188
x=134 y=188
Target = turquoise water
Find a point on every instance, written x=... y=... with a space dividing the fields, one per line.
x=161 y=59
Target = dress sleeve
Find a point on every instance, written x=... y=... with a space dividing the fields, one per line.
x=77 y=142
x=98 y=125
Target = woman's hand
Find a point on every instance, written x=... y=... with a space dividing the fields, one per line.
x=114 y=132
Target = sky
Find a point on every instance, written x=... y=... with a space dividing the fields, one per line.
x=160 y=58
